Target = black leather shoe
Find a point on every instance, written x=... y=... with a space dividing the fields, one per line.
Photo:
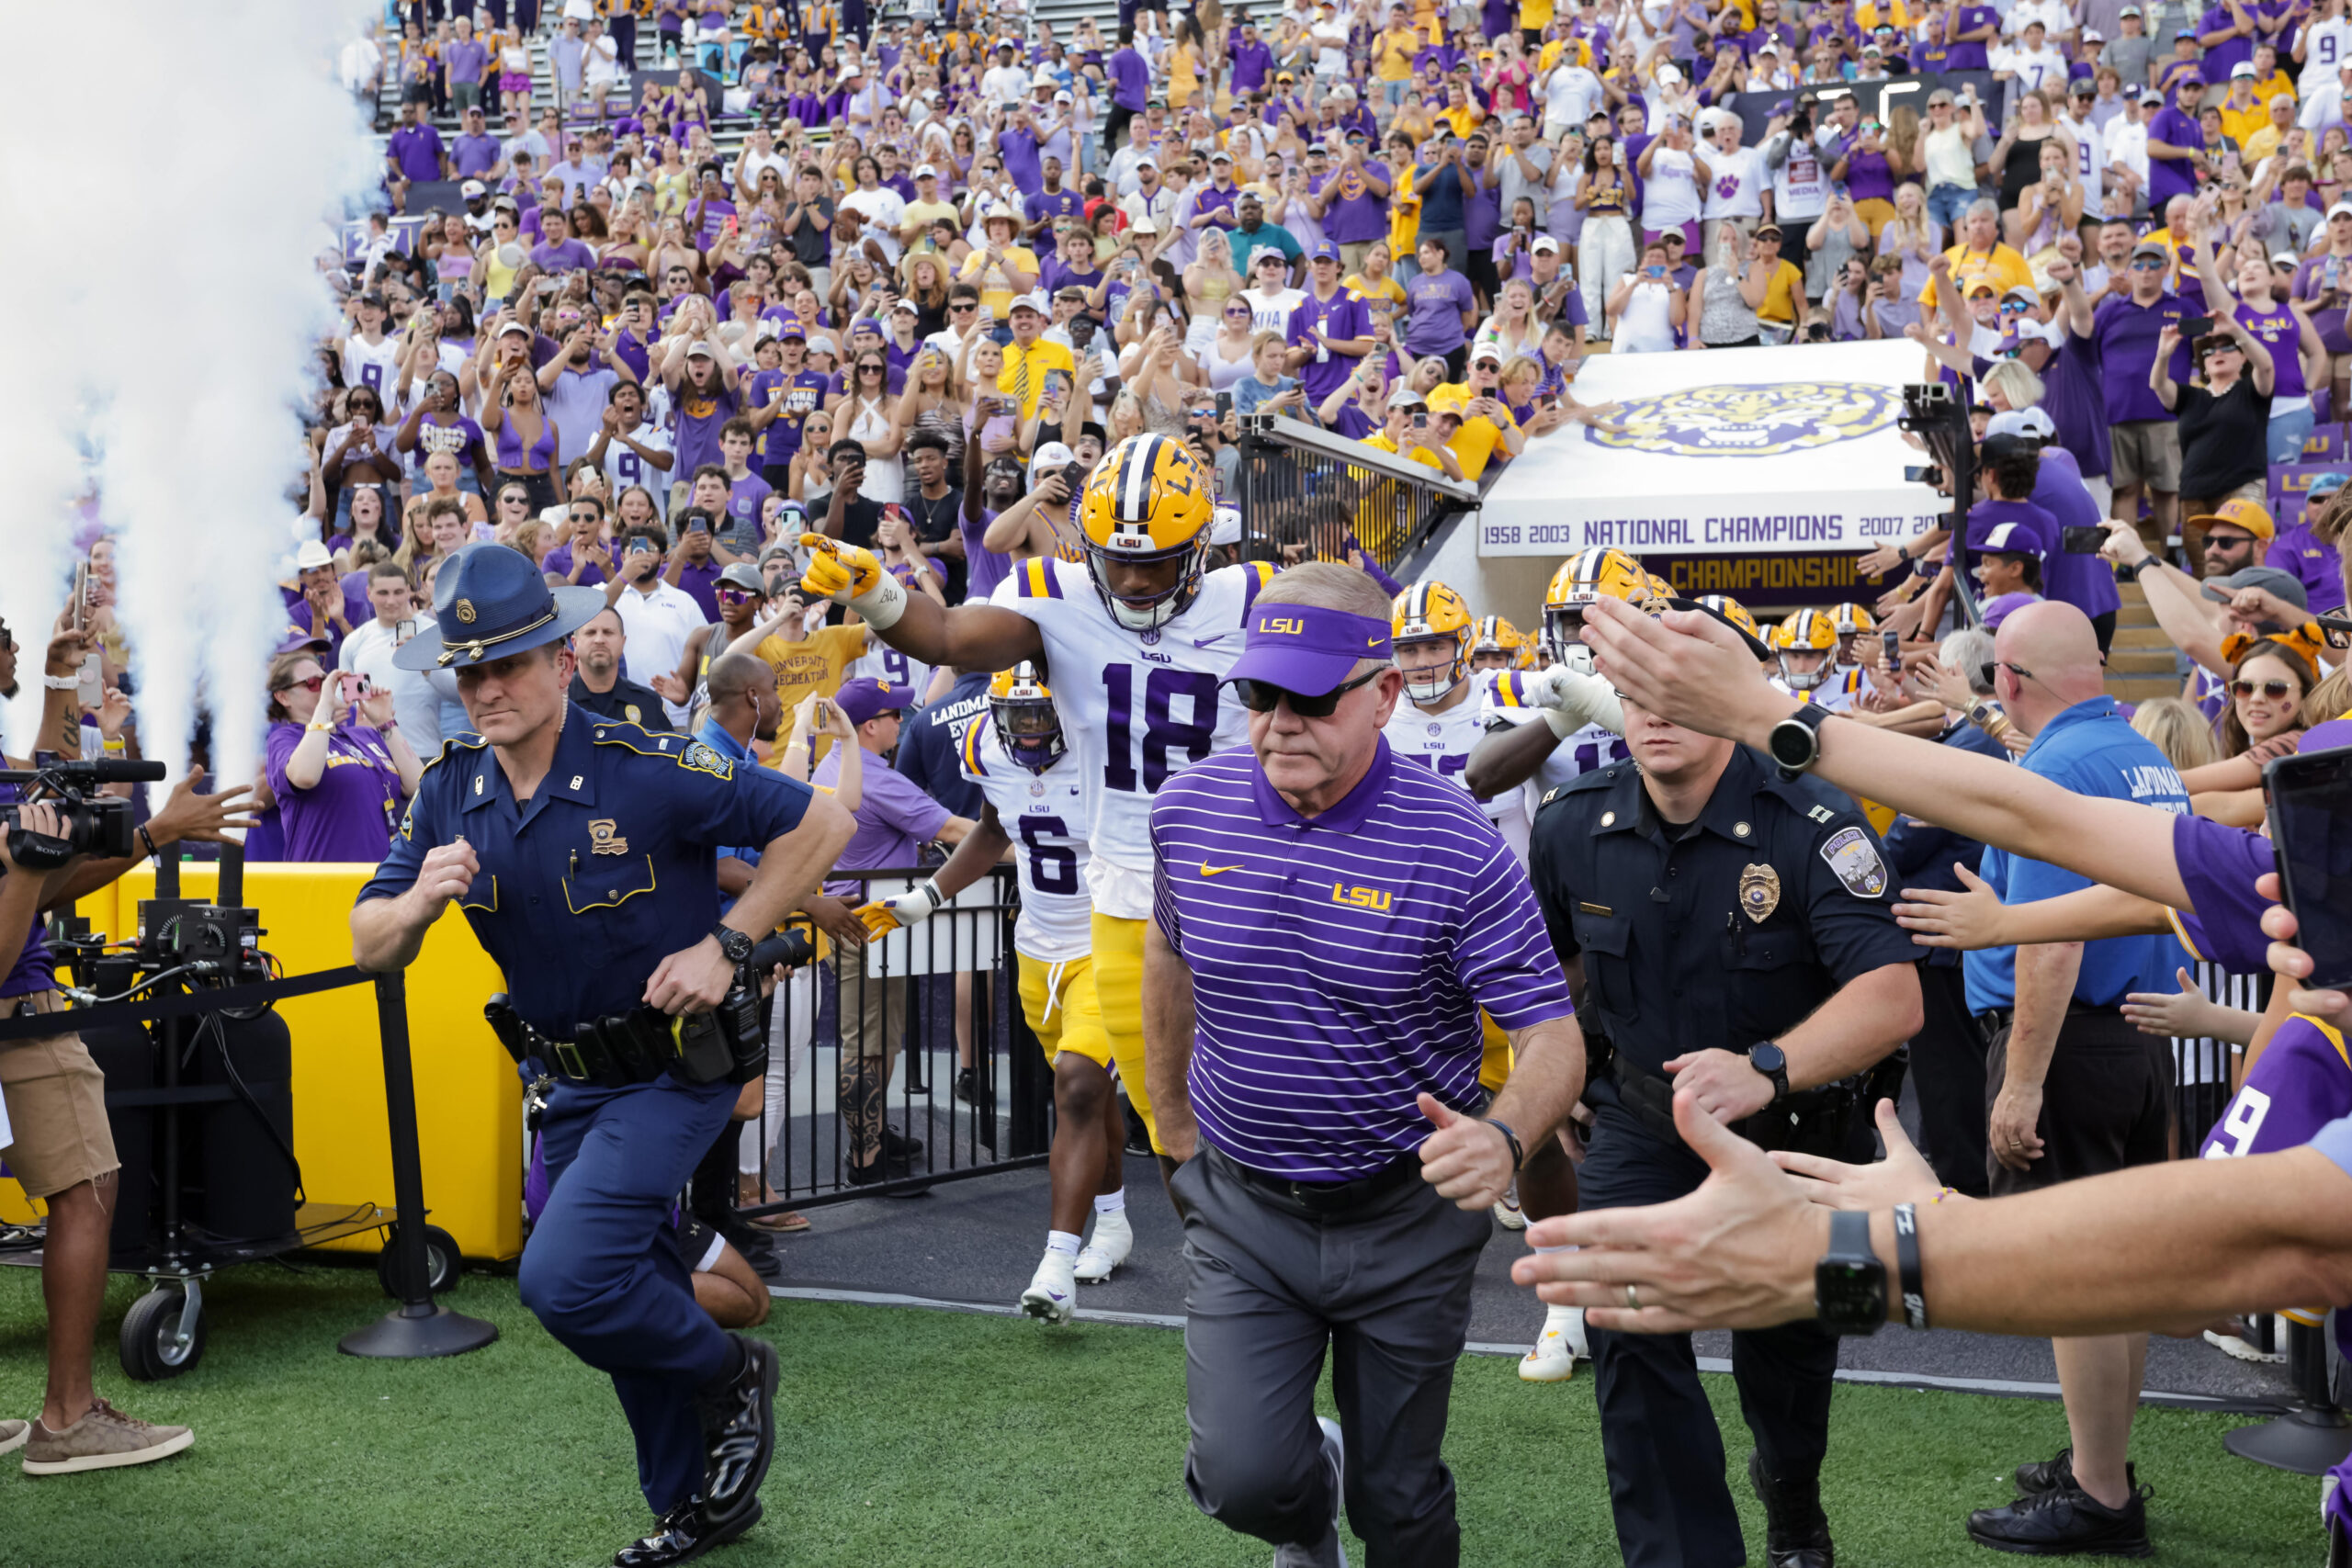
x=2065 y=1521
x=738 y=1434
x=2049 y=1474
x=1796 y=1532
x=898 y=1147
x=682 y=1534
x=967 y=1085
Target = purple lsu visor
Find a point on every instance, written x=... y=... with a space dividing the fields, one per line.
x=1308 y=648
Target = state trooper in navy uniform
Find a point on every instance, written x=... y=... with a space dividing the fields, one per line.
x=1726 y=925
x=583 y=851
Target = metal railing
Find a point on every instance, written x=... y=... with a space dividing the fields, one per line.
x=1302 y=485
x=867 y=1093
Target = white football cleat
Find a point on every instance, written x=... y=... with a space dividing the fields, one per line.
x=1108 y=1247
x=1052 y=1294
x=1557 y=1348
x=1507 y=1212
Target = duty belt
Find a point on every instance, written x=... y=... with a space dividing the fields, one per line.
x=1816 y=1121
x=618 y=1049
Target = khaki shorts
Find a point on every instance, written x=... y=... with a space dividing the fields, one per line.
x=2145 y=452
x=57 y=1108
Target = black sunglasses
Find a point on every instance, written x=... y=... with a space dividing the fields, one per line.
x=1264 y=697
x=2335 y=629
x=1984 y=672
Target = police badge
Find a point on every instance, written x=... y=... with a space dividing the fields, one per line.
x=1759 y=892
x=1855 y=858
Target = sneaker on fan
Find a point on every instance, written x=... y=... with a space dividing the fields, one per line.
x=1557 y=1348
x=1053 y=1290
x=1108 y=1247
x=1507 y=1212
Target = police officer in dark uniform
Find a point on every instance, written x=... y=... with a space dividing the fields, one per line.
x=583 y=851
x=1726 y=925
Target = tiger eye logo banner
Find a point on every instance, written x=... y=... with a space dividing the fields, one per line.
x=1798 y=449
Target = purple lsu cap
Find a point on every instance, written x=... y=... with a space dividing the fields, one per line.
x=865 y=698
x=1308 y=648
x=2001 y=607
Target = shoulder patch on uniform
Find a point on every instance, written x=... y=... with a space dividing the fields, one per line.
x=702 y=759
x=1822 y=814
x=1855 y=860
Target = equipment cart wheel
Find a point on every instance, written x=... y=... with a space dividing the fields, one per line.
x=441 y=1260
x=162 y=1333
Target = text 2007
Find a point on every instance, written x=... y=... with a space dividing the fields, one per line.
x=1888 y=527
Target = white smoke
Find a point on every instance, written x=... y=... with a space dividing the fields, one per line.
x=162 y=265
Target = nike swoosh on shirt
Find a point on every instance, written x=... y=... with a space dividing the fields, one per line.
x=1208 y=870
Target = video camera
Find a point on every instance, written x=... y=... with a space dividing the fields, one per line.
x=96 y=825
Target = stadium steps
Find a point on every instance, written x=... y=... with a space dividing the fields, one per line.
x=2143 y=664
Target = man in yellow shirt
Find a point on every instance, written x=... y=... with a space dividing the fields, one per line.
x=2244 y=109
x=811 y=663
x=1981 y=256
x=2279 y=127
x=1414 y=433
x=1392 y=55
x=1028 y=356
x=1868 y=15
x=1472 y=416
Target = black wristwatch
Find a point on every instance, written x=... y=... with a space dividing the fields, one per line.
x=1849 y=1283
x=1795 y=742
x=1518 y=1155
x=1773 y=1063
x=2130 y=570
x=735 y=944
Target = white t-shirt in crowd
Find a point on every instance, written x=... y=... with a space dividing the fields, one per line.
x=1670 y=193
x=1738 y=188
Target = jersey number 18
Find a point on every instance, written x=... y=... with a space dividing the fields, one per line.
x=1161 y=730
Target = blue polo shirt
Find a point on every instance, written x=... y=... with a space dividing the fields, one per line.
x=1339 y=961
x=2087 y=749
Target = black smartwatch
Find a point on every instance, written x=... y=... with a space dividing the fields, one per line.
x=1849 y=1283
x=1795 y=742
x=1773 y=1063
x=735 y=944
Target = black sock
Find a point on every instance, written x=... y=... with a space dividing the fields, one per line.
x=738 y=1359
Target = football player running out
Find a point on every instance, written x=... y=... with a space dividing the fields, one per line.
x=1033 y=789
x=1498 y=645
x=1807 y=644
x=1583 y=728
x=1437 y=723
x=1140 y=634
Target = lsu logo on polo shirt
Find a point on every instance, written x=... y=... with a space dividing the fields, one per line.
x=1361 y=897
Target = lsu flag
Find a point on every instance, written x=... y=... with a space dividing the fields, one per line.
x=1725 y=451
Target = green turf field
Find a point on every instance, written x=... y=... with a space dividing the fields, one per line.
x=942 y=1439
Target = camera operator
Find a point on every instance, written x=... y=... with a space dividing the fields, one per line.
x=55 y=1097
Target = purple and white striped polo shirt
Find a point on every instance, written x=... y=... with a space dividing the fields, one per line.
x=1338 y=963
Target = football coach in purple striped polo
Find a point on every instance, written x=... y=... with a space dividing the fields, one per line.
x=1327 y=924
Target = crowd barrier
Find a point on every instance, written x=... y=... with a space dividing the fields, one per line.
x=929 y=1000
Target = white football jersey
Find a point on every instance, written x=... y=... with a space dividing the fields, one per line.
x=1045 y=813
x=1136 y=706
x=1592 y=747
x=880 y=661
x=1443 y=741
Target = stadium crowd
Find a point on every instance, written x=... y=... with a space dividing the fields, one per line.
x=856 y=438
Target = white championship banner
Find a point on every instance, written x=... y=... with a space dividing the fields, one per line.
x=1726 y=451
